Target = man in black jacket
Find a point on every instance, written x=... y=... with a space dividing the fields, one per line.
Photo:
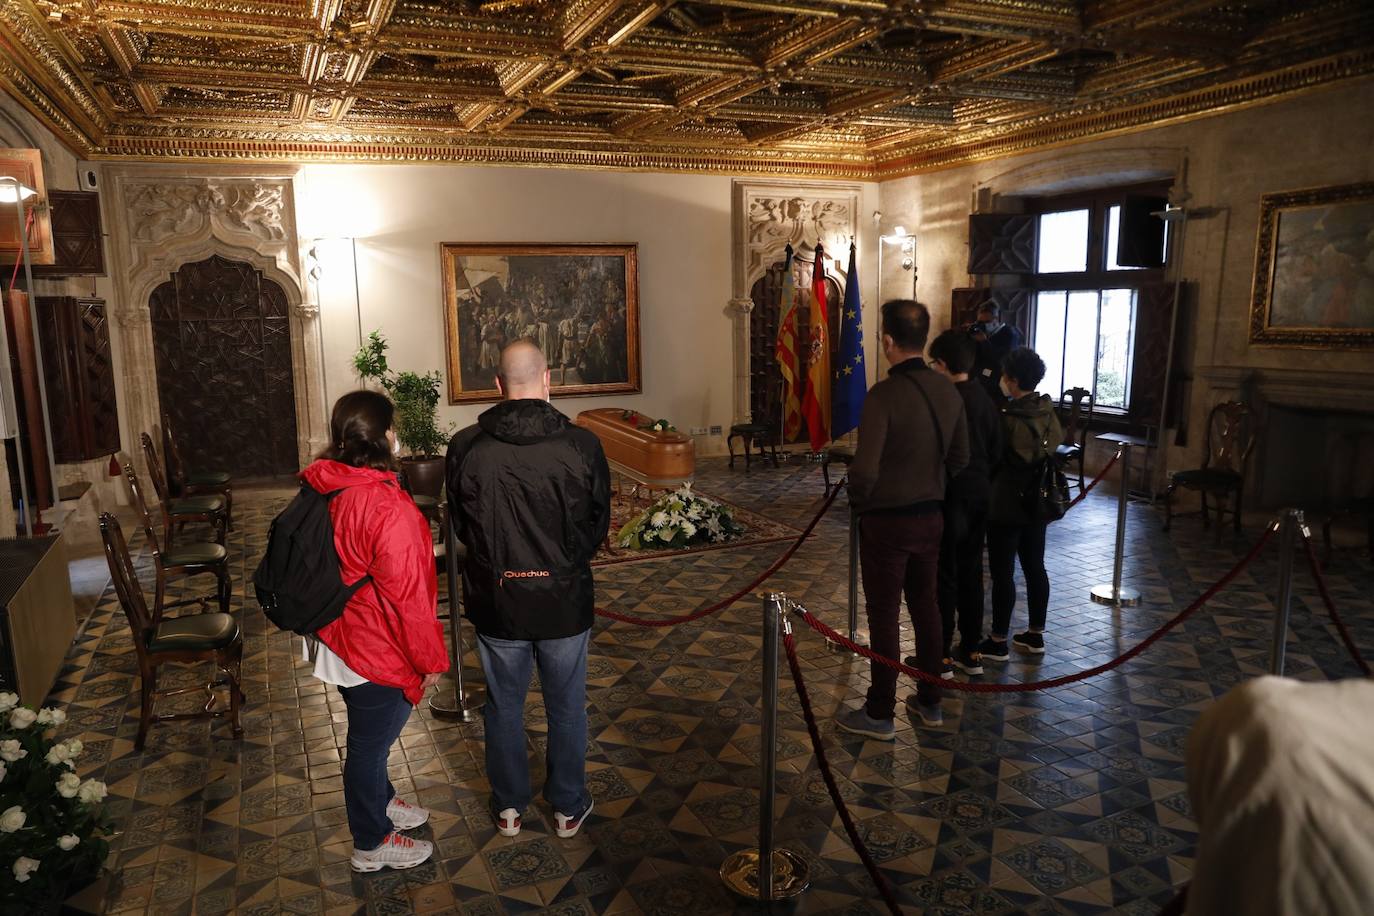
x=994 y=341
x=529 y=494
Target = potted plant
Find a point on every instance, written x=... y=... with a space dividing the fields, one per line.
x=370 y=361
x=417 y=427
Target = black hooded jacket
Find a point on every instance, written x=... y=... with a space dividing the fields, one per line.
x=529 y=494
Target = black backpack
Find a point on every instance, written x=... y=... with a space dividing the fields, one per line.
x=1046 y=495
x=298 y=582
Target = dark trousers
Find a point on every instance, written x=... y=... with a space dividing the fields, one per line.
x=1005 y=544
x=376 y=715
x=900 y=554
x=961 y=572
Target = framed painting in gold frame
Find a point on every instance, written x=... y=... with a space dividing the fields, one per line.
x=580 y=303
x=1314 y=269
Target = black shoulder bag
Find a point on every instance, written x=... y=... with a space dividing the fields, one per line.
x=1046 y=496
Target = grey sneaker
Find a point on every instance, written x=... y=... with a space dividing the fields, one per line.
x=396 y=851
x=931 y=715
x=404 y=815
x=859 y=722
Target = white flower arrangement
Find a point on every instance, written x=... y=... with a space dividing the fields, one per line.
x=680 y=519
x=52 y=825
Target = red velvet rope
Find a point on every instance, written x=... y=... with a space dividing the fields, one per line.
x=968 y=687
x=1082 y=494
x=723 y=604
x=1331 y=611
x=846 y=818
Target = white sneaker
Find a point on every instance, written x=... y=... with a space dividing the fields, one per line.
x=508 y=822
x=566 y=827
x=404 y=815
x=396 y=851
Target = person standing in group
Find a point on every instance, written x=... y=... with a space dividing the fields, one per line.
x=529 y=495
x=1031 y=432
x=386 y=648
x=966 y=507
x=912 y=437
x=994 y=341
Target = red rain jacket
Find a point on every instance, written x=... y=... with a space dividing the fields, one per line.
x=389 y=632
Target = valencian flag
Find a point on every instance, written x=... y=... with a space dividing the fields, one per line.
x=851 y=377
x=786 y=351
x=816 y=399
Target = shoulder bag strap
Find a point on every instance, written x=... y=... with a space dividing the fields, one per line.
x=930 y=408
x=1044 y=440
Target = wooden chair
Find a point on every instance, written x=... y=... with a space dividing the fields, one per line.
x=765 y=431
x=187 y=560
x=1077 y=422
x=177 y=511
x=835 y=454
x=183 y=481
x=1230 y=439
x=211 y=637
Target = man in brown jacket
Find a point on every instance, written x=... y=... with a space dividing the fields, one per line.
x=913 y=436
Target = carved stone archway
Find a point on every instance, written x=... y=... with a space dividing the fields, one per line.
x=164 y=219
x=768 y=216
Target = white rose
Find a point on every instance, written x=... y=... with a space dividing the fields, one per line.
x=76 y=747
x=68 y=842
x=22 y=717
x=8 y=701
x=92 y=791
x=68 y=785
x=12 y=819
x=57 y=755
x=50 y=716
x=10 y=751
x=23 y=867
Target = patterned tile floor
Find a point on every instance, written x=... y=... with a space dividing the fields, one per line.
x=1069 y=801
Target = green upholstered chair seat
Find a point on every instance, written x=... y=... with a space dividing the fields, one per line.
x=207 y=478
x=196 y=505
x=195 y=555
x=196 y=632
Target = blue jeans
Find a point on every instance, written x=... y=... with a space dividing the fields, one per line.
x=376 y=715
x=563 y=679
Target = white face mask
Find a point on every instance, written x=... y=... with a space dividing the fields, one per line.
x=1002 y=383
x=396 y=447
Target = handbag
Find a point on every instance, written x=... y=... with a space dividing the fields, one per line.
x=1046 y=496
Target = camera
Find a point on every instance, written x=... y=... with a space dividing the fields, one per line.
x=975 y=327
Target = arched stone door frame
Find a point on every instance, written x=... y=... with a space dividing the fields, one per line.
x=162 y=219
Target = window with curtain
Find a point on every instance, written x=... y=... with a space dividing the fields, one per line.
x=1084 y=300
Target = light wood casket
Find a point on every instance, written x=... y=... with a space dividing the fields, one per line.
x=665 y=460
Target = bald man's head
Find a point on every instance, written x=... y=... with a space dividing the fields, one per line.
x=523 y=372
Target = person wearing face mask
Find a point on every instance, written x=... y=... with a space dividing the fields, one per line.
x=1031 y=430
x=386 y=648
x=529 y=495
x=994 y=341
x=913 y=437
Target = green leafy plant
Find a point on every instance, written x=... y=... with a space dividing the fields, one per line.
x=52 y=824
x=680 y=519
x=417 y=404
x=370 y=360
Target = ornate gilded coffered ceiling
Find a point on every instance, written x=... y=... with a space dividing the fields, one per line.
x=837 y=88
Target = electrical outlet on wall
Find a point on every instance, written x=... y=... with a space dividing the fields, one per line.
x=698 y=430
x=715 y=430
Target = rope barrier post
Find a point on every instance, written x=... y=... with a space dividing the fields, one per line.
x=1114 y=594
x=854 y=636
x=464 y=704
x=1289 y=523
x=786 y=875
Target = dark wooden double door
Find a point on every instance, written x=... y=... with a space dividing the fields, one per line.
x=222 y=343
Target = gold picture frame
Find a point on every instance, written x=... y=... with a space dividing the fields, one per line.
x=579 y=302
x=1314 y=269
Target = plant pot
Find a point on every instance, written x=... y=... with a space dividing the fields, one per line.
x=425 y=476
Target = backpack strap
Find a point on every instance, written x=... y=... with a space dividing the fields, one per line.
x=1036 y=434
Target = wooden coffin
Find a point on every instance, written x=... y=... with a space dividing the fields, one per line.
x=665 y=460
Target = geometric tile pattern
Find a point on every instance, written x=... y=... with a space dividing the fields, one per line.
x=1065 y=801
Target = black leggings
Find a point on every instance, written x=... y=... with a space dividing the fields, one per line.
x=1005 y=545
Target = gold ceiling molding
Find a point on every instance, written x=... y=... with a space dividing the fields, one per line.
x=840 y=89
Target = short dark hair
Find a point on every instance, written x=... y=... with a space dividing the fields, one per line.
x=955 y=349
x=907 y=322
x=990 y=306
x=1024 y=365
x=357 y=430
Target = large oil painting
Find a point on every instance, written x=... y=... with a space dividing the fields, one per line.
x=1314 y=269
x=580 y=303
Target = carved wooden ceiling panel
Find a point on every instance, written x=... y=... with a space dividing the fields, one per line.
x=838 y=88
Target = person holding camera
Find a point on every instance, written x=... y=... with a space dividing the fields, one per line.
x=994 y=341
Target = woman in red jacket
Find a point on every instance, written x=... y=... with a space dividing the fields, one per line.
x=387 y=648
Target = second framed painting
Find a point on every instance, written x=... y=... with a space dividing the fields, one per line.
x=580 y=303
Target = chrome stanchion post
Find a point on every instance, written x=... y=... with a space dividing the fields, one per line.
x=1289 y=523
x=463 y=705
x=1114 y=594
x=854 y=636
x=786 y=875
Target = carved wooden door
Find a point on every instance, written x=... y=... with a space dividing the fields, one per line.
x=222 y=341
x=765 y=378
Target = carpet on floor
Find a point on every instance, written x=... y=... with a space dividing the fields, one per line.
x=758 y=529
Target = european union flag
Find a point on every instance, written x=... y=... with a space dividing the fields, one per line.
x=851 y=375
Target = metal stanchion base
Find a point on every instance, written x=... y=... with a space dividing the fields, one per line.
x=446 y=704
x=836 y=648
x=1105 y=594
x=791 y=874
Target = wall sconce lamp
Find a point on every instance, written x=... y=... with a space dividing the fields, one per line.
x=901 y=237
